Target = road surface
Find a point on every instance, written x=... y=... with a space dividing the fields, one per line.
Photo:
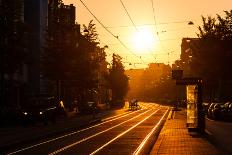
x=126 y=133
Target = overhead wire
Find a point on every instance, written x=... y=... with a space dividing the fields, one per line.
x=133 y=23
x=128 y=15
x=108 y=29
x=154 y=17
x=98 y=20
x=115 y=36
x=164 y=23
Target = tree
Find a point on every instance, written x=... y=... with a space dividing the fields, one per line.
x=208 y=29
x=219 y=28
x=90 y=32
x=156 y=84
x=118 y=81
x=90 y=57
x=72 y=59
x=212 y=54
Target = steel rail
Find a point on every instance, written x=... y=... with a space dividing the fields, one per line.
x=123 y=133
x=92 y=136
x=138 y=150
x=70 y=134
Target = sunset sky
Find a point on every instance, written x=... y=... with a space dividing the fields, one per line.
x=136 y=23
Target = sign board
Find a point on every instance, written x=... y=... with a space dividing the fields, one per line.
x=188 y=81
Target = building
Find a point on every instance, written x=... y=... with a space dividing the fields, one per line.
x=186 y=48
x=61 y=21
x=35 y=19
x=11 y=50
x=186 y=56
x=210 y=60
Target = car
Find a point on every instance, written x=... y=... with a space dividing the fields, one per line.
x=89 y=107
x=205 y=107
x=227 y=111
x=41 y=109
x=210 y=110
x=217 y=111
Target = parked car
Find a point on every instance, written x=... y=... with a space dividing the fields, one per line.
x=41 y=109
x=205 y=106
x=89 y=107
x=217 y=111
x=210 y=110
x=227 y=111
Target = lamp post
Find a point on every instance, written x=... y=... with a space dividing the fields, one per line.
x=190 y=23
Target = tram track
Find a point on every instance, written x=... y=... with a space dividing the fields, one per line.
x=96 y=137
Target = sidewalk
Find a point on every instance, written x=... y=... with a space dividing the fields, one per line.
x=14 y=135
x=174 y=139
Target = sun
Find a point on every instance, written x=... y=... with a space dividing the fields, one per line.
x=143 y=41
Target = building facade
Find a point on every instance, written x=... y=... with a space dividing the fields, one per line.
x=35 y=18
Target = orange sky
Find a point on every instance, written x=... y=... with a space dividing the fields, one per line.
x=171 y=18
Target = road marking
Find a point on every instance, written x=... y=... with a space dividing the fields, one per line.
x=73 y=144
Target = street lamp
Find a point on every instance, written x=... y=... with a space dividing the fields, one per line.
x=190 y=23
x=86 y=31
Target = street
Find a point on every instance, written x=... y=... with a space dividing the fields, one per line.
x=126 y=133
x=221 y=131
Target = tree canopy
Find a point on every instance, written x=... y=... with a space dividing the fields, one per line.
x=118 y=80
x=211 y=54
x=219 y=28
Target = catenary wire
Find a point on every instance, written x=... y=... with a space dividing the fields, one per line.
x=109 y=31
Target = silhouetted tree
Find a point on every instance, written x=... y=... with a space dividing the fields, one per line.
x=211 y=56
x=90 y=56
x=156 y=84
x=90 y=32
x=72 y=59
x=219 y=28
x=118 y=81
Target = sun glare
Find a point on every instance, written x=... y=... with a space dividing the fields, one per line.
x=143 y=41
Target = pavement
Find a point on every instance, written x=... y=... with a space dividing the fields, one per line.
x=175 y=139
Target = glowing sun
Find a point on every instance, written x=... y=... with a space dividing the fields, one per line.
x=143 y=41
